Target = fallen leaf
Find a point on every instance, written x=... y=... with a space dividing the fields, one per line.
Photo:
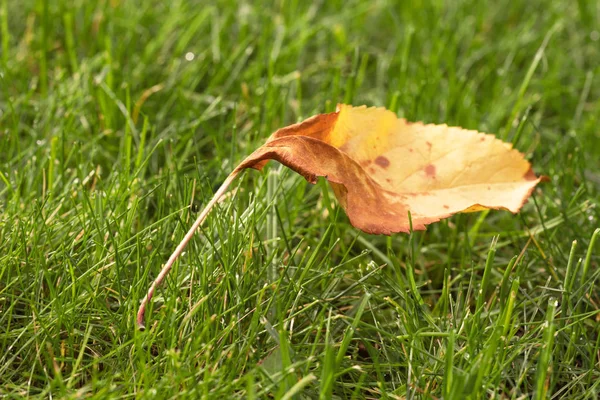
x=382 y=169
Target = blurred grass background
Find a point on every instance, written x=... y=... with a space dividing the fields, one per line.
x=116 y=116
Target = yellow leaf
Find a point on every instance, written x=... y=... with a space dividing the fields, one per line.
x=381 y=167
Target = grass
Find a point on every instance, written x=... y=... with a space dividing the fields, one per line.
x=118 y=119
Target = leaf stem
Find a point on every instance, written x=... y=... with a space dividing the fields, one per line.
x=181 y=246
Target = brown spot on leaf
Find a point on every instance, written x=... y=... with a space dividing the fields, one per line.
x=382 y=162
x=411 y=149
x=428 y=145
x=446 y=206
x=430 y=170
x=482 y=139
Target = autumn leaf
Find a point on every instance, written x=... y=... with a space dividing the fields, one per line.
x=382 y=169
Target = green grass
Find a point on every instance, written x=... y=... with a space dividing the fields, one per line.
x=116 y=116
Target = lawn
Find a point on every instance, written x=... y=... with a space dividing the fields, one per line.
x=120 y=118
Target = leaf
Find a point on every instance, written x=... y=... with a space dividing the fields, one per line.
x=382 y=168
